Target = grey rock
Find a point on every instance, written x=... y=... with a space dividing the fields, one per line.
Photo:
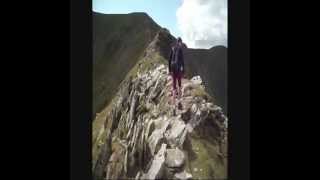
x=157 y=136
x=150 y=128
x=156 y=169
x=148 y=123
x=175 y=158
x=196 y=80
x=175 y=133
x=182 y=175
x=138 y=175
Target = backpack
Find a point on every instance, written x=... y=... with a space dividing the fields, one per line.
x=175 y=60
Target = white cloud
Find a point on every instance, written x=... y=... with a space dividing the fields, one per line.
x=203 y=23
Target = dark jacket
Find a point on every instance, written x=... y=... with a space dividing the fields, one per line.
x=180 y=59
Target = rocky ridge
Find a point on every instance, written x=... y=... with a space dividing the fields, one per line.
x=148 y=137
x=143 y=134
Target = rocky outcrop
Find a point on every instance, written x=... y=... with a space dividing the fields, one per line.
x=156 y=169
x=212 y=66
x=174 y=158
x=154 y=137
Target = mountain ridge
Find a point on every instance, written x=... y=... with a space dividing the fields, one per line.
x=142 y=133
x=119 y=40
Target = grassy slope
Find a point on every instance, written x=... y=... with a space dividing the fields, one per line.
x=211 y=65
x=118 y=41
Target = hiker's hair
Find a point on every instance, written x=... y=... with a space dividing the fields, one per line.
x=179 y=39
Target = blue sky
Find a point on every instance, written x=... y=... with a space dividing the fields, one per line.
x=200 y=23
x=163 y=12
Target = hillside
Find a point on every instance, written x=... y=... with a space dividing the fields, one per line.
x=211 y=65
x=118 y=41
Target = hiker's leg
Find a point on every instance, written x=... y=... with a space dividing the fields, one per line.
x=172 y=87
x=179 y=84
x=174 y=79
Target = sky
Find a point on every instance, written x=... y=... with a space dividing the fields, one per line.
x=200 y=23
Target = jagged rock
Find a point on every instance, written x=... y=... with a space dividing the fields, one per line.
x=157 y=136
x=150 y=128
x=115 y=116
x=133 y=106
x=210 y=106
x=126 y=161
x=186 y=89
x=155 y=112
x=175 y=158
x=185 y=115
x=183 y=175
x=186 y=103
x=137 y=131
x=115 y=165
x=194 y=108
x=174 y=135
x=102 y=160
x=138 y=175
x=156 y=169
x=196 y=80
x=145 y=122
x=217 y=110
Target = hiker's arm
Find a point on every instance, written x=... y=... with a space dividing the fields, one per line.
x=182 y=61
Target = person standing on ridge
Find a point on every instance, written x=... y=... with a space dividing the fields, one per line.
x=176 y=66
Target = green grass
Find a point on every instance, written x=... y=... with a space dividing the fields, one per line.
x=96 y=148
x=109 y=76
x=204 y=161
x=200 y=92
x=145 y=65
x=99 y=132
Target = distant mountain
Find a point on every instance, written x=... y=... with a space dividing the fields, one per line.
x=211 y=65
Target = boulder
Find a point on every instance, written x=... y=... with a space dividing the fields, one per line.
x=175 y=133
x=196 y=80
x=157 y=137
x=182 y=175
x=175 y=158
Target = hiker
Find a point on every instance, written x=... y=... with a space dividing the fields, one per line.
x=176 y=66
